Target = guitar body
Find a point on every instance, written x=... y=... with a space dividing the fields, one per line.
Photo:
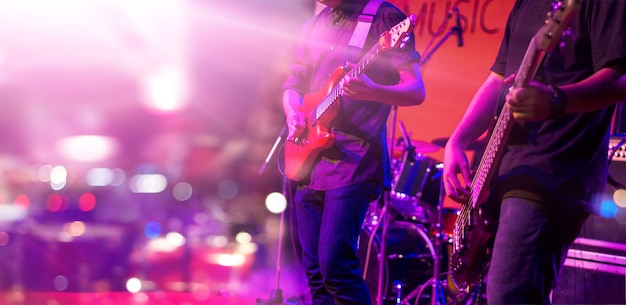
x=300 y=155
x=476 y=239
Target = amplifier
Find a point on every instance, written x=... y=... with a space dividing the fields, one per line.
x=595 y=269
x=617 y=147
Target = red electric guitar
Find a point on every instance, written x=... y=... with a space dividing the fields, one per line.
x=474 y=228
x=322 y=106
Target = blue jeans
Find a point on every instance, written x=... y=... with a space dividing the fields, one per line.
x=530 y=247
x=329 y=226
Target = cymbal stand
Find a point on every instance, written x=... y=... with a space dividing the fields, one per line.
x=438 y=255
x=384 y=218
x=437 y=289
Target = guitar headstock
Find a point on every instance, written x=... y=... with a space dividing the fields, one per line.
x=556 y=22
x=398 y=35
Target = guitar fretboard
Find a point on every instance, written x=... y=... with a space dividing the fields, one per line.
x=337 y=91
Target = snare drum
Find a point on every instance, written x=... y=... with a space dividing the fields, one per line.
x=417 y=183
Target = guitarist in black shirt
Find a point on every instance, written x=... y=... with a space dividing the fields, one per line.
x=545 y=165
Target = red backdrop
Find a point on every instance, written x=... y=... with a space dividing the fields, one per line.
x=453 y=73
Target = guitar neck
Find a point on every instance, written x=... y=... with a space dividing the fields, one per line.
x=493 y=151
x=533 y=59
x=336 y=92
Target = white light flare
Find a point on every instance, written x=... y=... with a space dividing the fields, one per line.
x=87 y=148
x=166 y=90
x=58 y=177
x=151 y=183
x=276 y=203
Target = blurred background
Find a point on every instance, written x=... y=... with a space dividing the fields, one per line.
x=133 y=135
x=136 y=138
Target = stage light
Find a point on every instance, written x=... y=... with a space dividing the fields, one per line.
x=276 y=202
x=151 y=183
x=619 y=196
x=166 y=89
x=87 y=202
x=219 y=241
x=75 y=228
x=182 y=191
x=99 y=176
x=22 y=201
x=228 y=260
x=133 y=285
x=54 y=203
x=4 y=238
x=12 y=212
x=152 y=229
x=58 y=177
x=175 y=239
x=607 y=209
x=87 y=148
x=228 y=189
x=243 y=237
x=60 y=283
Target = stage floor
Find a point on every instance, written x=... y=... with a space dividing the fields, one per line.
x=122 y=298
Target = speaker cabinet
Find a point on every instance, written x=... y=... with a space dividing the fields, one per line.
x=595 y=269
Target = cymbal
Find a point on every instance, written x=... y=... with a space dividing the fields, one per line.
x=419 y=145
x=476 y=146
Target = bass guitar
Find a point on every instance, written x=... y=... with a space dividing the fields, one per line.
x=323 y=105
x=476 y=225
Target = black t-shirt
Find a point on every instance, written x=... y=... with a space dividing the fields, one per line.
x=565 y=158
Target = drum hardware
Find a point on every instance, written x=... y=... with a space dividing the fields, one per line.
x=406 y=272
x=407 y=265
x=409 y=244
x=438 y=293
x=416 y=188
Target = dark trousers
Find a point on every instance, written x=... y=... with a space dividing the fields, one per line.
x=530 y=247
x=329 y=226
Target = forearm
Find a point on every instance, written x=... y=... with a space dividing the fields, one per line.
x=409 y=91
x=292 y=101
x=477 y=117
x=604 y=88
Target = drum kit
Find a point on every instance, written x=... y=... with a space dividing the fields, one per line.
x=406 y=238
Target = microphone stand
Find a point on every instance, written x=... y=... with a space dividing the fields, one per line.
x=454 y=29
x=276 y=296
x=428 y=55
x=271 y=153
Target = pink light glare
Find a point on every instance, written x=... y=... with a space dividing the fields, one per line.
x=87 y=202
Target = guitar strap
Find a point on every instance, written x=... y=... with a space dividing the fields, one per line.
x=361 y=30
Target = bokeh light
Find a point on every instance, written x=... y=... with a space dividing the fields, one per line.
x=23 y=201
x=87 y=202
x=152 y=229
x=182 y=191
x=607 y=209
x=100 y=176
x=619 y=196
x=150 y=183
x=228 y=189
x=133 y=285
x=276 y=202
